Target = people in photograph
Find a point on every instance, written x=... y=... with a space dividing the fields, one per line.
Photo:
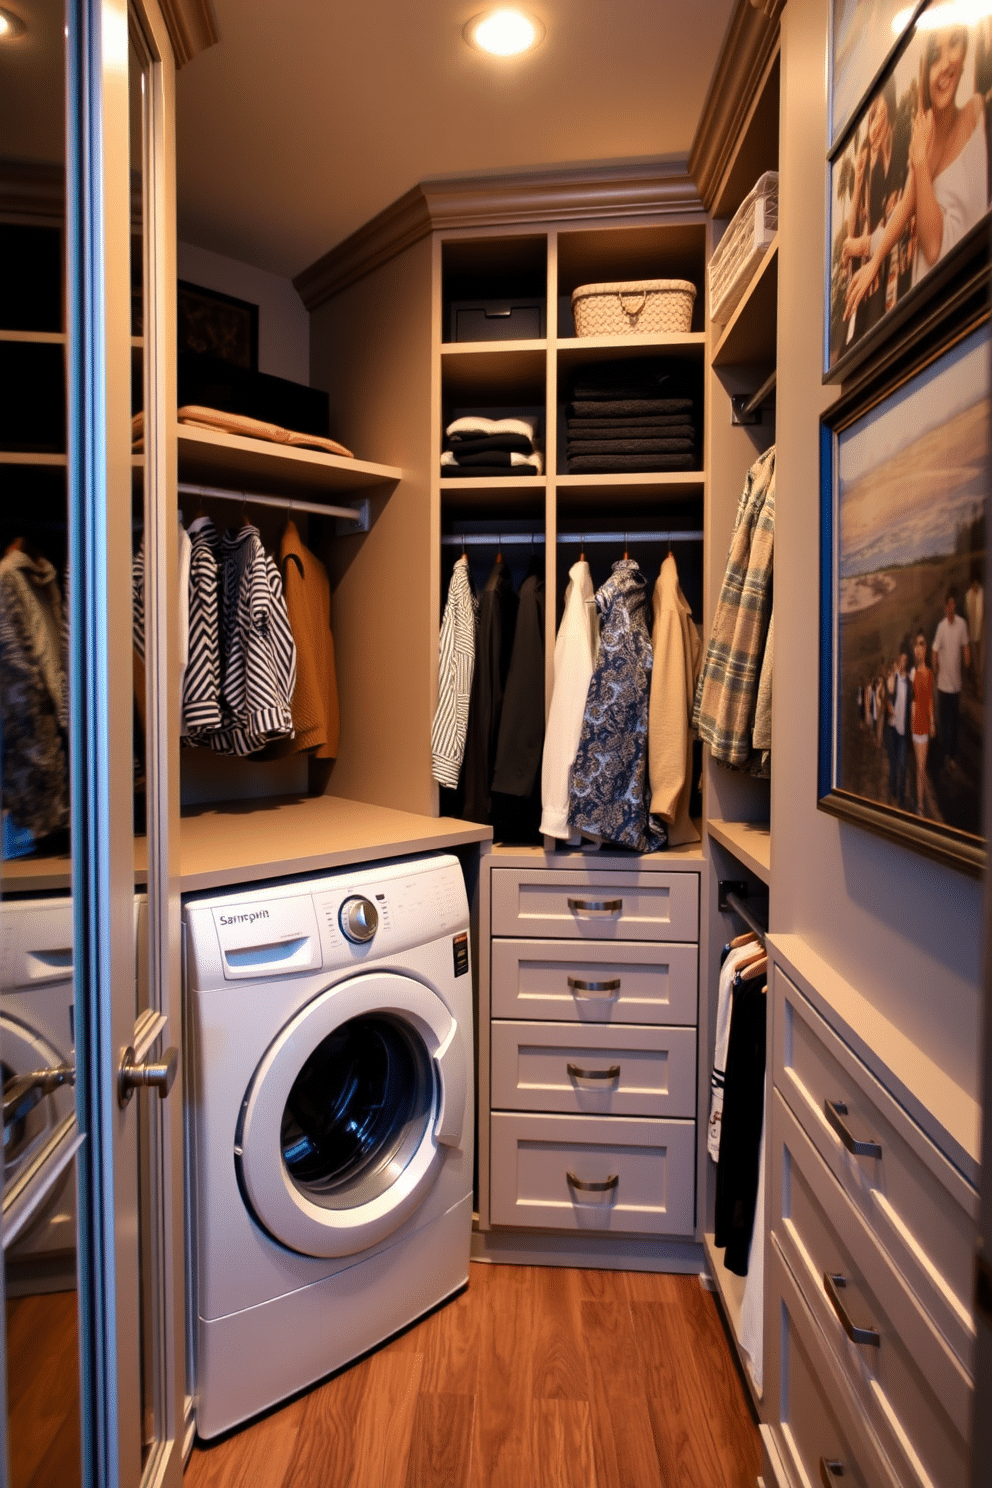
x=899 y=726
x=878 y=168
x=924 y=724
x=974 y=608
x=950 y=646
x=947 y=186
x=880 y=709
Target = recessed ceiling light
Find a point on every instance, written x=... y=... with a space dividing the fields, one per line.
x=11 y=25
x=504 y=33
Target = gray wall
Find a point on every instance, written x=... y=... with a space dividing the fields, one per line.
x=903 y=930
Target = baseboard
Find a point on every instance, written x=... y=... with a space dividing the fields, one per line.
x=593 y=1252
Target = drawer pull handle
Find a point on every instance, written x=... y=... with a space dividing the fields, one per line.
x=596 y=988
x=577 y=1073
x=830 y=1469
x=599 y=906
x=584 y=1187
x=834 y=1111
x=868 y=1336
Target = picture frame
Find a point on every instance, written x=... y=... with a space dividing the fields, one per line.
x=863 y=35
x=905 y=474
x=217 y=325
x=886 y=260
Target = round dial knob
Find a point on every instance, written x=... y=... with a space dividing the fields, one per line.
x=359 y=919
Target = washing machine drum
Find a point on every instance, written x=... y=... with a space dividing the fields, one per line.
x=343 y=1129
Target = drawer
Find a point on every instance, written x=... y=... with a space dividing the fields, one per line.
x=609 y=1071
x=818 y=1436
x=911 y=1386
x=592 y=1173
x=920 y=1207
x=594 y=981
x=585 y=904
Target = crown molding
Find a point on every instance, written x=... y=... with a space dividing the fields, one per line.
x=660 y=188
x=192 y=27
x=751 y=39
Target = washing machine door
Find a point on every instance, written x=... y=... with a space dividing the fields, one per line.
x=344 y=1126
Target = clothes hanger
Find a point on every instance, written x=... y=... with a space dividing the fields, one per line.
x=753 y=970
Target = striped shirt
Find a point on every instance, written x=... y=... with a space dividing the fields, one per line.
x=201 y=684
x=456 y=663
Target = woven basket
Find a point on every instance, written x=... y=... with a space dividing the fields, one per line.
x=644 y=306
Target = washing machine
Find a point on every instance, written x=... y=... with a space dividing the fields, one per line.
x=36 y=1033
x=330 y=1114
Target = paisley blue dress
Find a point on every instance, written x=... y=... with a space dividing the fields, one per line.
x=608 y=793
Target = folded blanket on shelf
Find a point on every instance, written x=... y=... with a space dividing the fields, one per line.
x=643 y=378
x=480 y=443
x=630 y=446
x=198 y=417
x=618 y=464
x=661 y=424
x=623 y=407
x=477 y=424
x=502 y=460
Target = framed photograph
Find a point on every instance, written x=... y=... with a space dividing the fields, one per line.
x=904 y=482
x=909 y=185
x=217 y=325
x=862 y=36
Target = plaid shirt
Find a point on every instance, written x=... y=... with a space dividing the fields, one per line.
x=724 y=706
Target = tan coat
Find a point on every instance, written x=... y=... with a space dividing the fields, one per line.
x=316 y=719
x=677 y=661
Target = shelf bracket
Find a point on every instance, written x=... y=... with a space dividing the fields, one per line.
x=362 y=521
x=745 y=408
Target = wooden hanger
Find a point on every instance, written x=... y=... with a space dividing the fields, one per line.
x=742 y=940
x=754 y=969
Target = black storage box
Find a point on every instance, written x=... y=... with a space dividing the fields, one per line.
x=497 y=320
x=213 y=383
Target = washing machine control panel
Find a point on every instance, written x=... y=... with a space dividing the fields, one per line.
x=359 y=919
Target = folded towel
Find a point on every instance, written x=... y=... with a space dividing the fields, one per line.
x=645 y=427
x=479 y=443
x=623 y=407
x=642 y=378
x=630 y=446
x=496 y=460
x=617 y=464
x=476 y=424
x=475 y=472
x=197 y=417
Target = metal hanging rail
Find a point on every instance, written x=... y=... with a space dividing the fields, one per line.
x=731 y=901
x=357 y=514
x=761 y=396
x=508 y=539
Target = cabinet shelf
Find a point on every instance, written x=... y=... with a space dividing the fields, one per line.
x=750 y=843
x=215 y=458
x=578 y=349
x=494 y=371
x=634 y=487
x=36 y=338
x=30 y=457
x=750 y=335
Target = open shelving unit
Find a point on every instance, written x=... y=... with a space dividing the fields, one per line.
x=214 y=457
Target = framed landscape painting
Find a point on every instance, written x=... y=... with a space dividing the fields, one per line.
x=910 y=186
x=905 y=478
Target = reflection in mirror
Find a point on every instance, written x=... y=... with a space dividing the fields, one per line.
x=36 y=925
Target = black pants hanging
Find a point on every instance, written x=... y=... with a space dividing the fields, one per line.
x=743 y=1115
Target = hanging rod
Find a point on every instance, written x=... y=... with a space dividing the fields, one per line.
x=732 y=902
x=357 y=514
x=507 y=539
x=761 y=396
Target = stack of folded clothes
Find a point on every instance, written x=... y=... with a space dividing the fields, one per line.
x=479 y=446
x=634 y=415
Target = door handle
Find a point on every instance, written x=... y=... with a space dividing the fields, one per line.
x=156 y=1074
x=577 y=1073
x=584 y=1187
x=868 y=1336
x=830 y=1469
x=596 y=988
x=22 y=1093
x=834 y=1111
x=598 y=906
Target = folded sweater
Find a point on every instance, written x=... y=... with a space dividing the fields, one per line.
x=480 y=443
x=476 y=424
x=500 y=460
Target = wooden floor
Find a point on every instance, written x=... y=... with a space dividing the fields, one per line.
x=43 y=1391
x=532 y=1378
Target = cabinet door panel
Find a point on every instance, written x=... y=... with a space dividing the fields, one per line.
x=594 y=982
x=911 y=1386
x=593 y=1174
x=615 y=1071
x=595 y=906
x=930 y=1239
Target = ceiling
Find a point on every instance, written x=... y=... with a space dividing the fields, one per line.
x=309 y=117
